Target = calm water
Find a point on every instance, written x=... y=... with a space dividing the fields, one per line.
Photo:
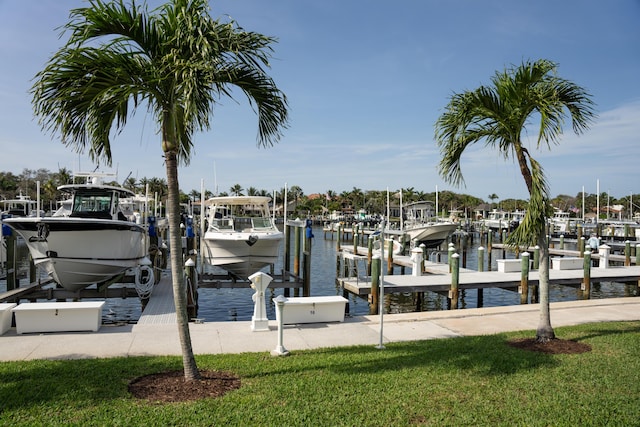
x=236 y=304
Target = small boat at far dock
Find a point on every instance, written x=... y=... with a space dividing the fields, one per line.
x=92 y=243
x=423 y=228
x=241 y=236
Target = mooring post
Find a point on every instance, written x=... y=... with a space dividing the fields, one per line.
x=603 y=255
x=306 y=271
x=627 y=253
x=287 y=257
x=390 y=257
x=355 y=239
x=524 y=279
x=463 y=244
x=455 y=278
x=280 y=350
x=489 y=249
x=416 y=262
x=375 y=284
x=12 y=273
x=369 y=254
x=536 y=257
x=32 y=270
x=451 y=250
x=296 y=252
x=260 y=282
x=562 y=242
x=586 y=280
x=480 y=291
x=581 y=245
x=192 y=288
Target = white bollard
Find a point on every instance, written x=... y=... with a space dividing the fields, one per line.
x=416 y=262
x=280 y=350
x=259 y=281
x=603 y=252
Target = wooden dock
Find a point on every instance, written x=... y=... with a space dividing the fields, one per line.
x=437 y=277
x=440 y=282
x=160 y=309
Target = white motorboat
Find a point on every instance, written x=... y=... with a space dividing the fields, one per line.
x=93 y=243
x=21 y=206
x=241 y=236
x=501 y=220
x=559 y=222
x=423 y=228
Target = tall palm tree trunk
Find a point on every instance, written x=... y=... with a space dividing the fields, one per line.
x=545 y=331
x=177 y=271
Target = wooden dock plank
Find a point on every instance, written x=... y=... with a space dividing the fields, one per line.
x=160 y=309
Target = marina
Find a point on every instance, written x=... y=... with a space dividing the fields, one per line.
x=220 y=298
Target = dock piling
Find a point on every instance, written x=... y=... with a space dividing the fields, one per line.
x=586 y=281
x=376 y=264
x=455 y=280
x=523 y=290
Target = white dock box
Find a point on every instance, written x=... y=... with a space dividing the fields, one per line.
x=567 y=263
x=313 y=309
x=58 y=316
x=509 y=265
x=5 y=316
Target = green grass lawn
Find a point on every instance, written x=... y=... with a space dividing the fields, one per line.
x=458 y=381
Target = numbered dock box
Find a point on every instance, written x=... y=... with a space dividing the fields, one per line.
x=313 y=309
x=5 y=316
x=58 y=316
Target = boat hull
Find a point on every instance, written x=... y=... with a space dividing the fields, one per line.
x=431 y=235
x=78 y=252
x=242 y=253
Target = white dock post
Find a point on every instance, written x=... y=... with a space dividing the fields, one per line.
x=280 y=350
x=416 y=262
x=603 y=252
x=259 y=281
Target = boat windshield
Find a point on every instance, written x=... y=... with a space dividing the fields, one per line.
x=222 y=224
x=92 y=204
x=261 y=222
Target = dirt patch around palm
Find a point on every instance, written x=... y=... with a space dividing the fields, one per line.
x=171 y=386
x=554 y=346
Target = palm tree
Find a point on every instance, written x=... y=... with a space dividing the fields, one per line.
x=497 y=115
x=236 y=190
x=63 y=176
x=175 y=62
x=130 y=183
x=492 y=197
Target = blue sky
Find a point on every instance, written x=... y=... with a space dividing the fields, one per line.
x=366 y=81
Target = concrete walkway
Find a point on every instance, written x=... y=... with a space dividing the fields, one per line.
x=237 y=337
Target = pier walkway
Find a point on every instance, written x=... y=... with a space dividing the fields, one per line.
x=470 y=279
x=156 y=334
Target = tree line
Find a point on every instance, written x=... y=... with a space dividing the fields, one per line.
x=302 y=204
